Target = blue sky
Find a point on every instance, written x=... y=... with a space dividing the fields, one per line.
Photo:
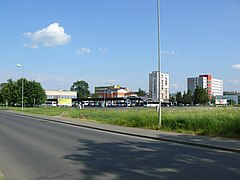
x=107 y=42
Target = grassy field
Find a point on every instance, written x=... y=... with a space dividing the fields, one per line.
x=212 y=121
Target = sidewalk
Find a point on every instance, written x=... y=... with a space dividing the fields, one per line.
x=216 y=143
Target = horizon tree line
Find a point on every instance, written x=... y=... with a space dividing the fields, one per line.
x=200 y=96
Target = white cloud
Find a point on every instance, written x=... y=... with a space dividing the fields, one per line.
x=236 y=66
x=170 y=52
x=103 y=50
x=83 y=51
x=51 y=36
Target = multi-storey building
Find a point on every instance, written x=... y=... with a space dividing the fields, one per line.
x=154 y=86
x=213 y=86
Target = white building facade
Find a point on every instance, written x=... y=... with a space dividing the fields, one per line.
x=213 y=86
x=154 y=85
x=217 y=87
x=60 y=97
x=56 y=94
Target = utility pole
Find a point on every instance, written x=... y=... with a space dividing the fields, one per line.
x=19 y=65
x=159 y=67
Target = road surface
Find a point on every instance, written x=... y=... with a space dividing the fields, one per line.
x=39 y=149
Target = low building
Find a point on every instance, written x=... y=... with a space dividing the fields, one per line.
x=64 y=94
x=232 y=99
x=60 y=97
x=131 y=94
x=112 y=91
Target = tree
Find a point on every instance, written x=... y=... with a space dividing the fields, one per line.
x=141 y=93
x=231 y=102
x=81 y=87
x=1 y=98
x=95 y=95
x=38 y=95
x=1 y=95
x=179 y=98
x=11 y=92
x=172 y=99
x=34 y=94
x=187 y=97
x=18 y=85
x=200 y=96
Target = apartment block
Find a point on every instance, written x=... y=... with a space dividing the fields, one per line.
x=154 y=86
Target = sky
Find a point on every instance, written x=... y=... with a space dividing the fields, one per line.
x=109 y=42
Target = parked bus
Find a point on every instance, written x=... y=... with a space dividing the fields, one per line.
x=155 y=104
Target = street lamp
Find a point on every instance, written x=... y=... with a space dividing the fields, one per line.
x=104 y=98
x=159 y=67
x=21 y=66
x=104 y=92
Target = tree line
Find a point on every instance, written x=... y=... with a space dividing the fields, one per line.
x=200 y=96
x=11 y=93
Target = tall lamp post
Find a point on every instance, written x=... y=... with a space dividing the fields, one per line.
x=104 y=98
x=159 y=67
x=21 y=66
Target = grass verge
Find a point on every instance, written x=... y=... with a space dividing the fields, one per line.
x=214 y=121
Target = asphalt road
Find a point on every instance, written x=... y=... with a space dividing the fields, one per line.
x=32 y=149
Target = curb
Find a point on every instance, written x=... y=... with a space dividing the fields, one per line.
x=206 y=146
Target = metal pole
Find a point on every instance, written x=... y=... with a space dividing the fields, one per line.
x=19 y=65
x=159 y=67
x=22 y=93
x=104 y=98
